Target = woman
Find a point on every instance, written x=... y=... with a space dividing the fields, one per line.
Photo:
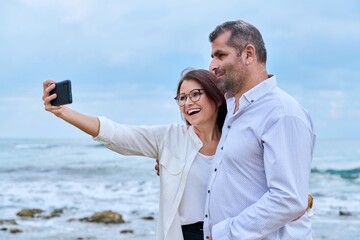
x=184 y=151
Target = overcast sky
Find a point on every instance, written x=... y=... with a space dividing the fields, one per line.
x=125 y=57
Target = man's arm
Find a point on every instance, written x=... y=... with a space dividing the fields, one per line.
x=288 y=147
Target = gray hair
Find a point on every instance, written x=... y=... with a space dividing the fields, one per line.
x=242 y=34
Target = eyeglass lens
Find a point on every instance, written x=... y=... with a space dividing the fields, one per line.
x=194 y=96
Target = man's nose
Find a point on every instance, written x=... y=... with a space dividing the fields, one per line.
x=213 y=66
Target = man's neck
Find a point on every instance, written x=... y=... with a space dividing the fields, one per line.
x=258 y=75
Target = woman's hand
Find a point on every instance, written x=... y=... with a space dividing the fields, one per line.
x=85 y=123
x=157 y=167
x=49 y=85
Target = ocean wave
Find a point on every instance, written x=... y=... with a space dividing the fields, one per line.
x=25 y=169
x=74 y=170
x=347 y=174
x=44 y=146
x=97 y=145
x=33 y=146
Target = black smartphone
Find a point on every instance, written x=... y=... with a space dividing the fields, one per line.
x=63 y=91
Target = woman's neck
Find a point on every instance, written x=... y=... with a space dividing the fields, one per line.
x=210 y=138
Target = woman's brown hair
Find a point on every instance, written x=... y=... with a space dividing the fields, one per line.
x=207 y=80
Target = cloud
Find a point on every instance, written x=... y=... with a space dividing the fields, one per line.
x=335 y=102
x=125 y=57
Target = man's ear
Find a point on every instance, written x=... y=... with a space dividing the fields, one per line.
x=249 y=53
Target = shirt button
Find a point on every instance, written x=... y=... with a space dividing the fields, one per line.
x=222 y=148
x=206 y=215
x=215 y=169
x=207 y=237
x=229 y=127
x=252 y=101
x=208 y=191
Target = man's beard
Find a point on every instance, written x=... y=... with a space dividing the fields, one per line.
x=231 y=85
x=233 y=79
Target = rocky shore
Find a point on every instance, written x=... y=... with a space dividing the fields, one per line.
x=103 y=217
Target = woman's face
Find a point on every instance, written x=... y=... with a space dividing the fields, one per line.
x=199 y=113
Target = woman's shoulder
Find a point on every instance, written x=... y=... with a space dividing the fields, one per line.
x=180 y=127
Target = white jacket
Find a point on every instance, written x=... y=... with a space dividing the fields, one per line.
x=175 y=146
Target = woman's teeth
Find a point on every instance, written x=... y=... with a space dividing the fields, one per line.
x=193 y=111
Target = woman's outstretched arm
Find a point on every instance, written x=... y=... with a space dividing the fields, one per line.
x=87 y=124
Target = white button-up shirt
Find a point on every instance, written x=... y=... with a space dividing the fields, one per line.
x=176 y=147
x=261 y=181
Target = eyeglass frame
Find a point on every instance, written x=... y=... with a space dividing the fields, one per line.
x=197 y=90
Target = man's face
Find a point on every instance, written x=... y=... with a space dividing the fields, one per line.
x=227 y=65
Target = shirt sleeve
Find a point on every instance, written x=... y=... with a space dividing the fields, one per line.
x=287 y=153
x=131 y=140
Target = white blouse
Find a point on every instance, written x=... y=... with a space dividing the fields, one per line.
x=192 y=205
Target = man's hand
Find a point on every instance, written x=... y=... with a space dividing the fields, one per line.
x=309 y=207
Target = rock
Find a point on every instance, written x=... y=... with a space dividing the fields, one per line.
x=55 y=213
x=35 y=212
x=127 y=231
x=148 y=218
x=29 y=212
x=15 y=230
x=8 y=221
x=344 y=213
x=104 y=217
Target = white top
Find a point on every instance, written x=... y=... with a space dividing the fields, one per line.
x=175 y=146
x=192 y=203
x=263 y=166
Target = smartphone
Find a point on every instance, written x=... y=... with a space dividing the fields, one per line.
x=63 y=91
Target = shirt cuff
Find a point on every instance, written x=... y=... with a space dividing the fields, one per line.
x=106 y=131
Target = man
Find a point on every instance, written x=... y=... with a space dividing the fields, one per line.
x=261 y=181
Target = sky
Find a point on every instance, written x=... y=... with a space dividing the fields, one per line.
x=124 y=58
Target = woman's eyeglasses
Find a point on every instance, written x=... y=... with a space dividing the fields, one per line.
x=194 y=96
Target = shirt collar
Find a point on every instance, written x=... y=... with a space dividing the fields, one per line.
x=261 y=89
x=254 y=93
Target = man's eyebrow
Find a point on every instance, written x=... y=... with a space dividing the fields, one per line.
x=216 y=53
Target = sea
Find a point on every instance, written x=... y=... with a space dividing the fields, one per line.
x=81 y=177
